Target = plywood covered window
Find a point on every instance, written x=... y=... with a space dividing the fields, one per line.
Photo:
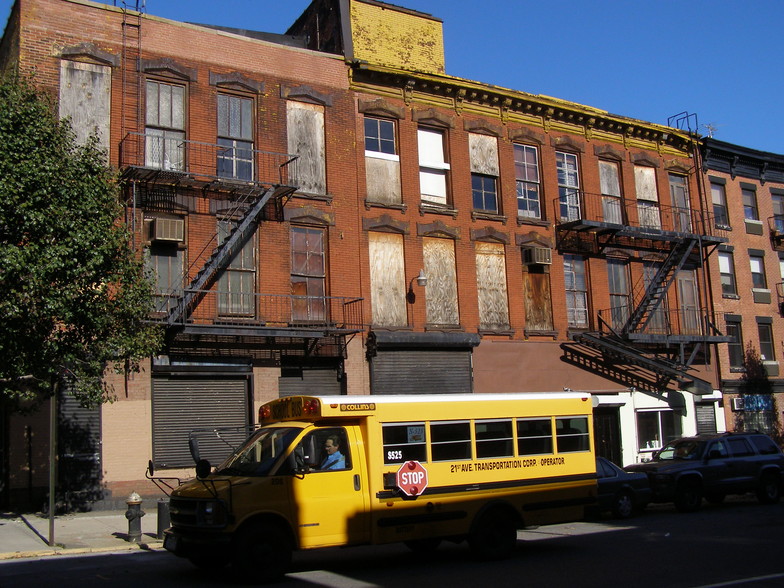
x=538 y=301
x=433 y=166
x=305 y=127
x=611 y=192
x=491 y=286
x=441 y=291
x=387 y=279
x=647 y=197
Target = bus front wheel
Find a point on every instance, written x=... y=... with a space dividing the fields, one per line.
x=493 y=536
x=262 y=553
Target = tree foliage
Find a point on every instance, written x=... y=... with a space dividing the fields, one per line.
x=73 y=294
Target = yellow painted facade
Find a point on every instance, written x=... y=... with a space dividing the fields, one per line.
x=385 y=35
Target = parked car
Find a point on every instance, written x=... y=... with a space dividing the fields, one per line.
x=620 y=492
x=712 y=466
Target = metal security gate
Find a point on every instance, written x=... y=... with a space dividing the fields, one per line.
x=421 y=371
x=181 y=405
x=79 y=454
x=310 y=380
x=706 y=418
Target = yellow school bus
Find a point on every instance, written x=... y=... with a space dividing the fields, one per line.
x=350 y=470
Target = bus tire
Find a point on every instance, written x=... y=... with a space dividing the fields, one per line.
x=493 y=536
x=262 y=553
x=423 y=546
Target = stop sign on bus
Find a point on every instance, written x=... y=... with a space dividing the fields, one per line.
x=411 y=478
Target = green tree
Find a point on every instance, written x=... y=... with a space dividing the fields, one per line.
x=73 y=293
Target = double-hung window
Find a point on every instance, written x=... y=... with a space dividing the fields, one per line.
x=308 y=273
x=765 y=333
x=727 y=273
x=735 y=345
x=618 y=282
x=611 y=192
x=777 y=199
x=382 y=162
x=568 y=185
x=235 y=137
x=165 y=126
x=237 y=282
x=433 y=165
x=721 y=217
x=647 y=197
x=576 y=291
x=758 y=279
x=484 y=172
x=750 y=211
x=526 y=158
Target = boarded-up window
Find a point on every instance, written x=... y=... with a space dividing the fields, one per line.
x=85 y=96
x=387 y=279
x=441 y=290
x=484 y=154
x=538 y=304
x=647 y=197
x=433 y=167
x=305 y=126
x=491 y=286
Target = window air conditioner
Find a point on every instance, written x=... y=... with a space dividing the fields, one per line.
x=168 y=229
x=737 y=404
x=537 y=255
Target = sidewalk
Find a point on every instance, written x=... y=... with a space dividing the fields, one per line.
x=27 y=536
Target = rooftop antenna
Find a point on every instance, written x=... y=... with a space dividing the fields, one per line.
x=711 y=129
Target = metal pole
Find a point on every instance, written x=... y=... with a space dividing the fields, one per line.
x=52 y=457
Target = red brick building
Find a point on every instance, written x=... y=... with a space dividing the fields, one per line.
x=347 y=218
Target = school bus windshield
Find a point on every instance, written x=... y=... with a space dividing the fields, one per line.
x=259 y=453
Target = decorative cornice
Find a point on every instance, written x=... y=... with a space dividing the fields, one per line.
x=483 y=127
x=235 y=78
x=433 y=117
x=305 y=94
x=385 y=224
x=437 y=229
x=526 y=136
x=607 y=152
x=381 y=107
x=90 y=53
x=568 y=143
x=308 y=214
x=643 y=159
x=169 y=66
x=490 y=234
x=533 y=239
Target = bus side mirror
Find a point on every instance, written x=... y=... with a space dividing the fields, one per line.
x=203 y=469
x=193 y=445
x=151 y=468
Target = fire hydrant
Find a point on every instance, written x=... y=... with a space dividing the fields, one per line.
x=134 y=515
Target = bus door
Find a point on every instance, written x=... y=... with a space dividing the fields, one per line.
x=329 y=501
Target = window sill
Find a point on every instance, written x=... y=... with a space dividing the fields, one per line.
x=477 y=215
x=450 y=328
x=723 y=227
x=387 y=205
x=553 y=334
x=731 y=296
x=503 y=332
x=537 y=222
x=433 y=208
x=311 y=196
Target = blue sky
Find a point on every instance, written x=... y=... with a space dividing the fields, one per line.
x=718 y=59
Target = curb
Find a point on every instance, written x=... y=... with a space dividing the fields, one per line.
x=68 y=551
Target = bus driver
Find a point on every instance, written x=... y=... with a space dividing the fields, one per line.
x=334 y=459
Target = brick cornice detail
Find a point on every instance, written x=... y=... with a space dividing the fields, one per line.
x=437 y=229
x=490 y=234
x=385 y=224
x=305 y=94
x=89 y=53
x=168 y=65
x=235 y=78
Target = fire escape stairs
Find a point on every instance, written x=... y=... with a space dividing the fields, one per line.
x=615 y=346
x=657 y=289
x=224 y=253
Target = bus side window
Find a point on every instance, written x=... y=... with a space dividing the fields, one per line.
x=404 y=442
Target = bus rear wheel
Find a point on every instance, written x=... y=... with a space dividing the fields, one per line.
x=493 y=536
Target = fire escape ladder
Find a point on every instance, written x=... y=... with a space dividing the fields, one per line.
x=224 y=253
x=660 y=284
x=131 y=104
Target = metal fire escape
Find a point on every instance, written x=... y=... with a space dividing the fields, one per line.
x=653 y=346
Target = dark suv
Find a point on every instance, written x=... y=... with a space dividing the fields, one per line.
x=714 y=465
